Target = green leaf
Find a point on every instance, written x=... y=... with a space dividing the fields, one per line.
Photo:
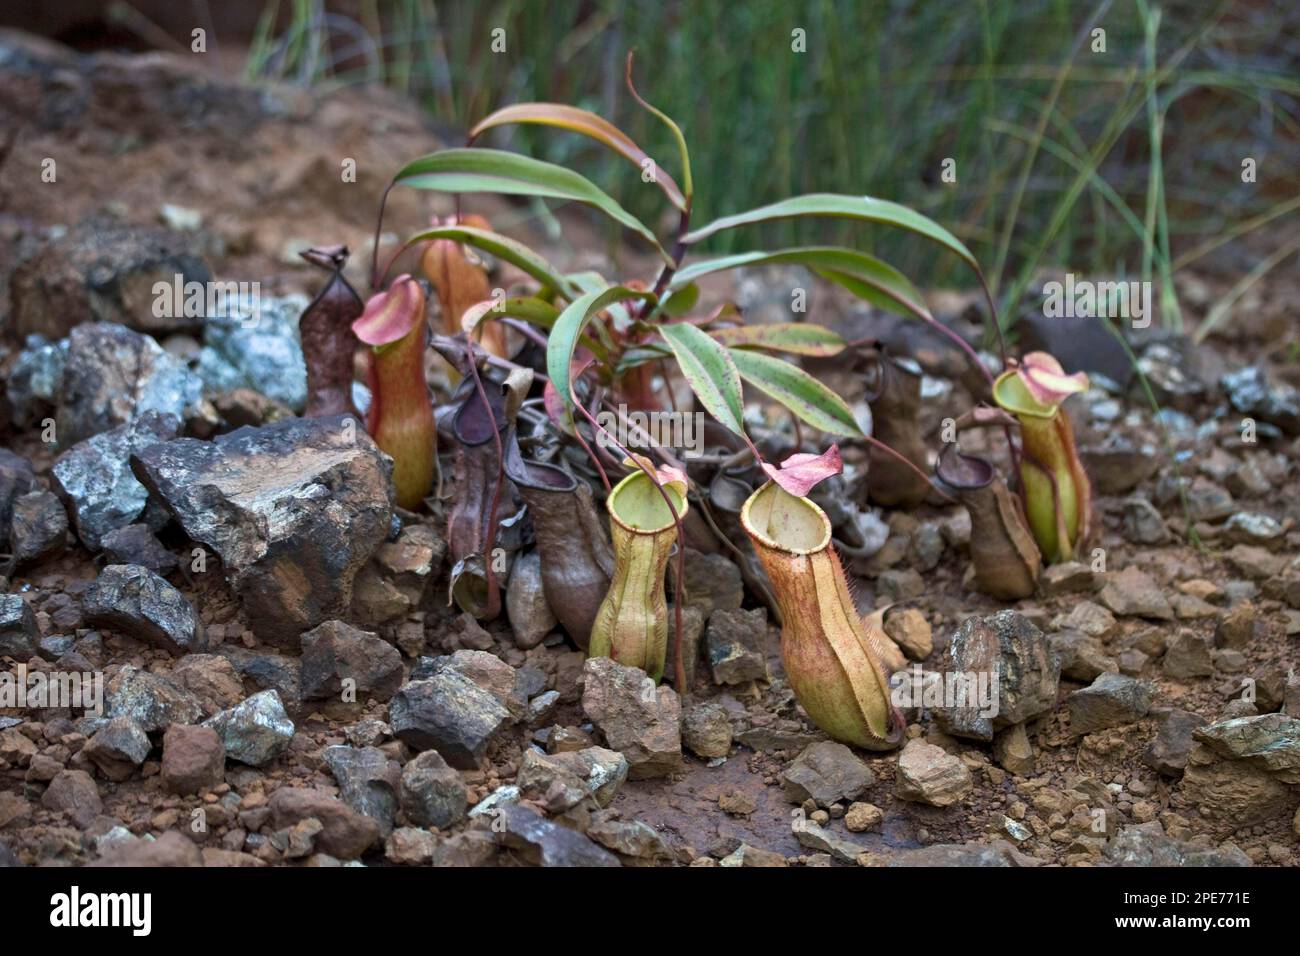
x=796 y=390
x=864 y=275
x=503 y=247
x=684 y=299
x=852 y=207
x=529 y=309
x=567 y=332
x=801 y=338
x=588 y=124
x=710 y=371
x=473 y=170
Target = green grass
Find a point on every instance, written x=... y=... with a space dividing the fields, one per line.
x=1115 y=162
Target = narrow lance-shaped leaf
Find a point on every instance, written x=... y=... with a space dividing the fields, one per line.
x=710 y=371
x=851 y=207
x=568 y=328
x=495 y=171
x=796 y=390
x=588 y=124
x=864 y=275
x=503 y=247
x=529 y=309
x=798 y=338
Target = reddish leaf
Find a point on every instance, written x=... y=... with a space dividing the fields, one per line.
x=800 y=473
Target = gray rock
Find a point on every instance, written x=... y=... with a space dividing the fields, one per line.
x=16 y=479
x=105 y=270
x=1250 y=393
x=1253 y=528
x=73 y=792
x=1133 y=593
x=735 y=642
x=153 y=702
x=819 y=839
x=630 y=838
x=18 y=631
x=1168 y=751
x=39 y=529
x=448 y=713
x=293 y=509
x=1188 y=655
x=561 y=781
x=335 y=652
x=509 y=686
x=118 y=748
x=1118 y=464
x=544 y=843
x=706 y=730
x=997 y=853
x=34 y=379
x=1083 y=658
x=266 y=671
x=432 y=793
x=255 y=731
x=94 y=476
x=137 y=544
x=1028 y=671
x=114 y=376
x=1142 y=523
x=826 y=773
x=368 y=780
x=1269 y=742
x=641 y=721
x=1112 y=700
x=259 y=350
x=140 y=604
x=1147 y=844
x=712 y=582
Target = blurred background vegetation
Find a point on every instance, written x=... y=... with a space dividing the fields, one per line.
x=1125 y=162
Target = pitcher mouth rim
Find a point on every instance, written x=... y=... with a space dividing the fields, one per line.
x=682 y=505
x=823 y=542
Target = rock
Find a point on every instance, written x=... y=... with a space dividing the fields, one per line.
x=746 y=855
x=1133 y=593
x=767 y=739
x=817 y=838
x=490 y=672
x=543 y=843
x=1118 y=464
x=641 y=721
x=898 y=585
x=909 y=629
x=929 y=774
x=94 y=476
x=561 y=781
x=1270 y=742
x=344 y=833
x=706 y=730
x=863 y=817
x=1013 y=751
x=113 y=377
x=1250 y=393
x=1234 y=793
x=630 y=838
x=1237 y=627
x=259 y=350
x=74 y=793
x=713 y=582
x=432 y=793
x=136 y=602
x=172 y=849
x=1254 y=562
x=1187 y=656
x=266 y=671
x=1088 y=618
x=473 y=848
x=39 y=527
x=692 y=633
x=736 y=802
x=826 y=773
x=998 y=853
x=531 y=617
x=137 y=544
x=1146 y=844
x=1168 y=751
x=32 y=386
x=255 y=731
x=293 y=509
x=1253 y=528
x=211 y=679
x=153 y=702
x=18 y=631
x=104 y=270
x=448 y=713
x=408 y=846
x=1022 y=673
x=1142 y=523
x=335 y=652
x=193 y=760
x=1070 y=577
x=1083 y=658
x=1112 y=700
x=735 y=642
x=118 y=748
x=368 y=781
